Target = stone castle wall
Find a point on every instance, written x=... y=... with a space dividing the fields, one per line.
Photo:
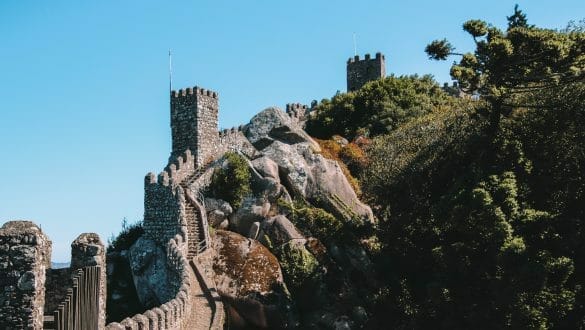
x=30 y=290
x=298 y=113
x=207 y=135
x=359 y=72
x=163 y=208
x=25 y=252
x=234 y=140
x=194 y=119
x=164 y=199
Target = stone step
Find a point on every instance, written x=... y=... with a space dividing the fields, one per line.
x=49 y=322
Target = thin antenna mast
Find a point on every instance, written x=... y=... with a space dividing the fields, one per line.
x=170 y=72
x=354 y=45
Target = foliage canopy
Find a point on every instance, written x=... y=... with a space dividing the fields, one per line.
x=508 y=65
x=378 y=107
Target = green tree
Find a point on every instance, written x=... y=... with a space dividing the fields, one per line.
x=506 y=66
x=518 y=19
x=463 y=248
x=378 y=107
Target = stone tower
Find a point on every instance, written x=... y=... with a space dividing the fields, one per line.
x=194 y=123
x=359 y=72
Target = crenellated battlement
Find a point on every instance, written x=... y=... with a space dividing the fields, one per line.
x=367 y=57
x=298 y=113
x=228 y=131
x=175 y=313
x=194 y=91
x=174 y=173
x=295 y=107
x=359 y=72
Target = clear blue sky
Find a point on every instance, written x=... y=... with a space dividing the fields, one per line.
x=84 y=84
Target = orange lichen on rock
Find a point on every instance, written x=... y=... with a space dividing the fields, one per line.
x=244 y=265
x=349 y=155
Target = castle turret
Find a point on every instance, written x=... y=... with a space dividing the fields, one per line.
x=194 y=123
x=359 y=72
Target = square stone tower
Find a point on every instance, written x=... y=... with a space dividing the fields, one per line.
x=194 y=123
x=359 y=72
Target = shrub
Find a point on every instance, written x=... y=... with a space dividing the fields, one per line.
x=298 y=264
x=232 y=181
x=317 y=222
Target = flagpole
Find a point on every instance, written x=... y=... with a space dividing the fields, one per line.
x=170 y=72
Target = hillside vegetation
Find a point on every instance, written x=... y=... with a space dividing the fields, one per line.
x=481 y=204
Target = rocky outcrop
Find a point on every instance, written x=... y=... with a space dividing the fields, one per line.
x=273 y=124
x=300 y=167
x=243 y=266
x=266 y=167
x=287 y=165
x=279 y=230
x=251 y=283
x=122 y=298
x=150 y=273
x=218 y=212
x=252 y=210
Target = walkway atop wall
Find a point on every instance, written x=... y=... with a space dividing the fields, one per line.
x=201 y=312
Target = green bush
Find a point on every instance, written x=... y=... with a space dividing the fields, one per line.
x=232 y=181
x=298 y=265
x=314 y=221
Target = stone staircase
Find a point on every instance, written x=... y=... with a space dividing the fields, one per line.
x=195 y=230
x=188 y=181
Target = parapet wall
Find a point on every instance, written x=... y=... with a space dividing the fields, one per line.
x=194 y=91
x=164 y=208
x=296 y=110
x=233 y=139
x=25 y=252
x=164 y=200
x=175 y=313
x=181 y=168
x=298 y=113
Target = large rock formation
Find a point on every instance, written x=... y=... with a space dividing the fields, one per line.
x=301 y=167
x=244 y=266
x=273 y=124
x=279 y=230
x=150 y=273
x=251 y=283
